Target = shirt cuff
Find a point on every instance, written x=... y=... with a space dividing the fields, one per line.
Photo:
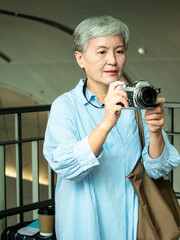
x=85 y=156
x=158 y=162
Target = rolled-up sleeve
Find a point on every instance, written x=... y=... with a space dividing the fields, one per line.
x=168 y=160
x=67 y=154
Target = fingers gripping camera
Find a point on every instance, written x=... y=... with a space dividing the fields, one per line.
x=141 y=95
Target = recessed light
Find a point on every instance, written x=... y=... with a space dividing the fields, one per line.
x=141 y=51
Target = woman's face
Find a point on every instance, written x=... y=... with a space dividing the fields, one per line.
x=103 y=60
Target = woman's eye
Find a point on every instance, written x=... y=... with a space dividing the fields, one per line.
x=120 y=51
x=101 y=52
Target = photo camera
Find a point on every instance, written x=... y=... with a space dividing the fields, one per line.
x=141 y=95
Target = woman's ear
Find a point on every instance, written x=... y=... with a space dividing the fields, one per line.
x=79 y=58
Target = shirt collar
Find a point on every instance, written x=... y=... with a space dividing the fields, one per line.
x=79 y=91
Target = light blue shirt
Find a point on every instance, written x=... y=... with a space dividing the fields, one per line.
x=94 y=199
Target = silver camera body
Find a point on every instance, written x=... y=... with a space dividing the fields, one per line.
x=141 y=95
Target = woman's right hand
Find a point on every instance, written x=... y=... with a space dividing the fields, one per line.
x=98 y=136
x=112 y=108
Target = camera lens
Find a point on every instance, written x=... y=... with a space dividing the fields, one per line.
x=146 y=97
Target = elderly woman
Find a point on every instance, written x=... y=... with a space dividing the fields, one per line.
x=92 y=143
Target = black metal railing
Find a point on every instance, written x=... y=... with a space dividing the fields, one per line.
x=171 y=107
x=21 y=208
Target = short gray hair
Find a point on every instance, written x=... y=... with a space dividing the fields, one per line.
x=94 y=27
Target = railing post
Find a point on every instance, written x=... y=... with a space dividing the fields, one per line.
x=51 y=183
x=171 y=124
x=171 y=137
x=35 y=175
x=50 y=177
x=2 y=187
x=19 y=183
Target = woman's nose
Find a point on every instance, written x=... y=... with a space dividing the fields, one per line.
x=111 y=60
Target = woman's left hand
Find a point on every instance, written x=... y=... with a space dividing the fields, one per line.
x=155 y=117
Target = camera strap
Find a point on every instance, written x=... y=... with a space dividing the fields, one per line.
x=84 y=93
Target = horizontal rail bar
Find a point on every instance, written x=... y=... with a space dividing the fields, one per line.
x=177 y=195
x=173 y=133
x=172 y=105
x=25 y=208
x=21 y=141
x=39 y=108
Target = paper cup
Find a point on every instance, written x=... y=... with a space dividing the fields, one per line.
x=46 y=221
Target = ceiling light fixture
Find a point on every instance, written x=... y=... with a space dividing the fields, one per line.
x=142 y=51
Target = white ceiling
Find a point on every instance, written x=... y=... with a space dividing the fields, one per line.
x=43 y=64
